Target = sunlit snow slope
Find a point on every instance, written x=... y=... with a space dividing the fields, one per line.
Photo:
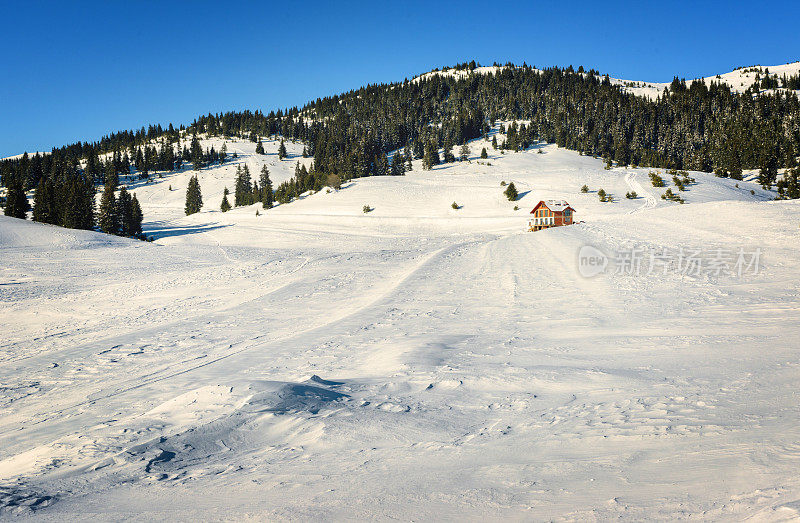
x=414 y=362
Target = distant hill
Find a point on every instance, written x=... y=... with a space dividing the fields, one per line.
x=743 y=120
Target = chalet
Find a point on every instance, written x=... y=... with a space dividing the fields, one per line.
x=551 y=213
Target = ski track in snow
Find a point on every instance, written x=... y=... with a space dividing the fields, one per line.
x=649 y=200
x=416 y=362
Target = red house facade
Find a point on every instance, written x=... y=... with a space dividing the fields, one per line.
x=551 y=213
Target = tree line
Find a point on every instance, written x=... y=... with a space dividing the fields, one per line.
x=65 y=185
x=376 y=129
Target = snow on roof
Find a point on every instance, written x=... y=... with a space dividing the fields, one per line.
x=556 y=205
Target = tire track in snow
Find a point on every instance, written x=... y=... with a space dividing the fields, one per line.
x=382 y=295
x=650 y=200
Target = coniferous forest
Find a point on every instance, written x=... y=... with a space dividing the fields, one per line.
x=697 y=127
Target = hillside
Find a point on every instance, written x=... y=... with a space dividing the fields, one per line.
x=707 y=126
x=421 y=198
x=416 y=361
x=739 y=80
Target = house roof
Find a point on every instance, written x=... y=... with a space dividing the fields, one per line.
x=553 y=205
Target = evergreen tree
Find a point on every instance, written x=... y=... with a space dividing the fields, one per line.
x=282 y=151
x=77 y=207
x=243 y=189
x=125 y=166
x=196 y=153
x=484 y=154
x=260 y=148
x=266 y=189
x=150 y=160
x=418 y=149
x=125 y=213
x=381 y=165
x=194 y=199
x=398 y=165
x=107 y=216
x=140 y=164
x=136 y=217
x=225 y=206
x=223 y=153
x=93 y=167
x=431 y=156
x=45 y=209
x=511 y=192
x=16 y=202
x=465 y=152
x=449 y=157
x=111 y=175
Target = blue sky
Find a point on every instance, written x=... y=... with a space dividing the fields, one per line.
x=74 y=72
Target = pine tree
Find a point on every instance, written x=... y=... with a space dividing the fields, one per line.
x=494 y=142
x=125 y=166
x=107 y=216
x=243 y=190
x=449 y=157
x=398 y=165
x=266 y=189
x=511 y=192
x=381 y=165
x=125 y=213
x=136 y=217
x=260 y=148
x=223 y=153
x=465 y=152
x=16 y=202
x=431 y=156
x=282 y=150
x=111 y=175
x=418 y=149
x=196 y=153
x=194 y=199
x=225 y=206
x=484 y=154
x=44 y=203
x=77 y=202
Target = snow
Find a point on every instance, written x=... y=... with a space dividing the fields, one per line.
x=18 y=156
x=415 y=362
x=459 y=74
x=739 y=80
x=556 y=205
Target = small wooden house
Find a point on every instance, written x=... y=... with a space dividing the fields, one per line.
x=551 y=213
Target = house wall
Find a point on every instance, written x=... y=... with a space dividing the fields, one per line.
x=543 y=212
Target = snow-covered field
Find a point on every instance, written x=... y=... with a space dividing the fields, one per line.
x=417 y=362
